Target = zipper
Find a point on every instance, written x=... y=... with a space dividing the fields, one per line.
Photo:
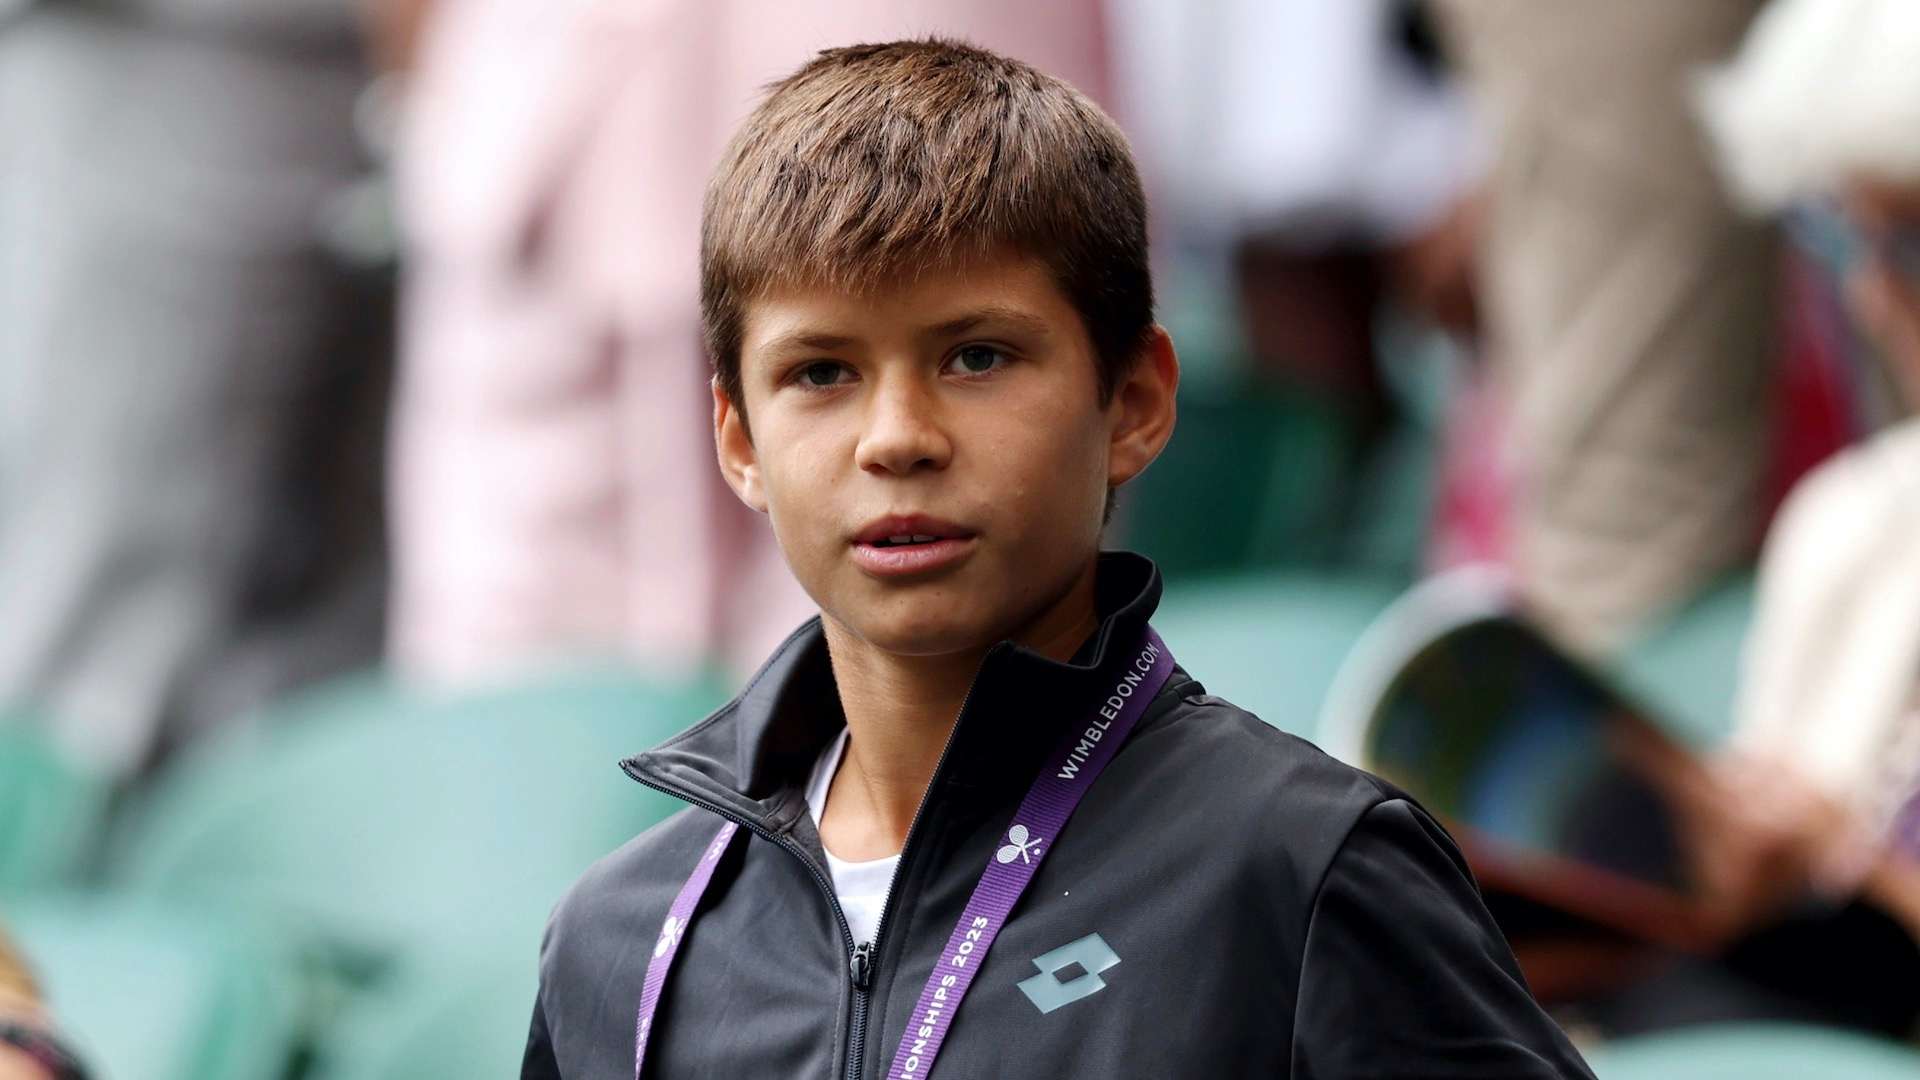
x=860 y=955
x=860 y=966
x=858 y=1037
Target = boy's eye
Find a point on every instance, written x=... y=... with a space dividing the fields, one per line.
x=978 y=359
x=822 y=373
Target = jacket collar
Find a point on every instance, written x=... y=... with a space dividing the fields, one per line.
x=750 y=758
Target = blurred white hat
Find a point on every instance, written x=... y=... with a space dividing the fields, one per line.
x=1820 y=91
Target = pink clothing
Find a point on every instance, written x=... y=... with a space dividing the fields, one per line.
x=554 y=492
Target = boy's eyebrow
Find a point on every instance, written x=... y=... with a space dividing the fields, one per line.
x=798 y=340
x=1013 y=318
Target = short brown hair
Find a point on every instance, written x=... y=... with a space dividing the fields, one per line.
x=873 y=161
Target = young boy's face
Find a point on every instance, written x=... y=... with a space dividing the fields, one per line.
x=960 y=405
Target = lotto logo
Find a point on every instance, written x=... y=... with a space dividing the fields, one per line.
x=1090 y=956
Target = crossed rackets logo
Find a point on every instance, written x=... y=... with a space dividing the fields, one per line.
x=1020 y=846
x=670 y=932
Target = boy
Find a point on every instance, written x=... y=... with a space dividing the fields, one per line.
x=925 y=286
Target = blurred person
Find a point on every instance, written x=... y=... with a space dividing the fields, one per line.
x=1317 y=164
x=1305 y=128
x=190 y=376
x=926 y=294
x=549 y=421
x=29 y=1047
x=1818 y=793
x=1805 y=830
x=1829 y=705
x=1626 y=303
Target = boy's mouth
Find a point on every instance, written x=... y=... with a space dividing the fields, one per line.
x=908 y=545
x=903 y=541
x=904 y=530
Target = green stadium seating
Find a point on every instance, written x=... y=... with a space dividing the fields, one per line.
x=440 y=1020
x=1271 y=642
x=150 y=991
x=1755 y=1052
x=1254 y=479
x=370 y=822
x=50 y=809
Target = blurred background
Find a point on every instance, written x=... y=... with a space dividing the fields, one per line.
x=357 y=511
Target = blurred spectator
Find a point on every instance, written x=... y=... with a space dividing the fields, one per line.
x=1311 y=159
x=1825 y=101
x=552 y=472
x=1627 y=306
x=189 y=520
x=1319 y=122
x=1819 y=792
x=1806 y=833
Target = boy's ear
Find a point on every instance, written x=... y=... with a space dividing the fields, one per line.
x=733 y=445
x=1142 y=410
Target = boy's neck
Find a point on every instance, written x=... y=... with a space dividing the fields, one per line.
x=900 y=711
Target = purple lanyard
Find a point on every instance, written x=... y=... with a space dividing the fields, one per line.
x=668 y=946
x=1079 y=759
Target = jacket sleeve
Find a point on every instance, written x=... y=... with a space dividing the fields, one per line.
x=1404 y=973
x=538 y=1062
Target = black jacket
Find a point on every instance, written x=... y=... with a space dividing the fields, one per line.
x=1275 y=913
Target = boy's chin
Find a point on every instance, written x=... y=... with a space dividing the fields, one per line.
x=938 y=632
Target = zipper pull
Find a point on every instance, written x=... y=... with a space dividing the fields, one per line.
x=861 y=964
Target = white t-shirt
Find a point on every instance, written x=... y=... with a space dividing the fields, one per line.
x=861 y=886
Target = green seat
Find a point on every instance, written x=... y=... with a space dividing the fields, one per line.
x=1254 y=479
x=1755 y=1052
x=149 y=991
x=436 y=1021
x=1271 y=642
x=50 y=809
x=370 y=822
x=1687 y=666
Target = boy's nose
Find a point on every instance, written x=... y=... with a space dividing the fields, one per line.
x=903 y=431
